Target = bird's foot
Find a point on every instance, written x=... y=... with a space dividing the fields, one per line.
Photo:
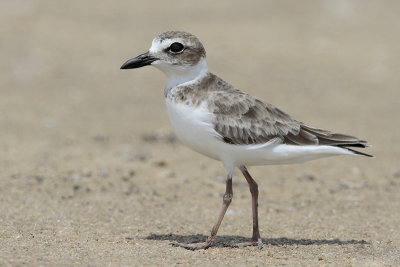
x=256 y=243
x=193 y=246
x=205 y=245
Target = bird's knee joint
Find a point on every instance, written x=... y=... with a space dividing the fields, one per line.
x=254 y=189
x=227 y=198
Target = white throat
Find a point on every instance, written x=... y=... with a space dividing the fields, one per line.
x=176 y=75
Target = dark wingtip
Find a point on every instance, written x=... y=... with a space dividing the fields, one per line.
x=359 y=153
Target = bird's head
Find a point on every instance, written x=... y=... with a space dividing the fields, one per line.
x=180 y=55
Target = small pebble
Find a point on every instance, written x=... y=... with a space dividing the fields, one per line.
x=160 y=163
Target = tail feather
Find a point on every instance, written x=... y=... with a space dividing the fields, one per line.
x=335 y=139
x=359 y=153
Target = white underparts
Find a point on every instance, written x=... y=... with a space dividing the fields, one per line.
x=194 y=127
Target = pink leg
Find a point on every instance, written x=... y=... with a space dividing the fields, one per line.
x=256 y=239
x=227 y=199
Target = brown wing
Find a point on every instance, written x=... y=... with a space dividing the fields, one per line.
x=243 y=119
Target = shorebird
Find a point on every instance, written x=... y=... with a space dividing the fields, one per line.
x=215 y=119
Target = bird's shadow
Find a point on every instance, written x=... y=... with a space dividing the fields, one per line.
x=229 y=240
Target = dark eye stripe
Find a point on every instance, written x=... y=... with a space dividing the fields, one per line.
x=176 y=47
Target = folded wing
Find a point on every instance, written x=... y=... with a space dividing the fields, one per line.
x=242 y=119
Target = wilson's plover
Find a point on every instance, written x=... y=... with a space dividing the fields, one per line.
x=216 y=119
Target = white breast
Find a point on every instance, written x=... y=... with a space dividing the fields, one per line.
x=193 y=126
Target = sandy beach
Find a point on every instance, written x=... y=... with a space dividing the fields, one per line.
x=91 y=173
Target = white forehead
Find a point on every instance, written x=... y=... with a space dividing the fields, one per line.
x=158 y=45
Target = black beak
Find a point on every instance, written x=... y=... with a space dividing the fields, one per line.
x=139 y=61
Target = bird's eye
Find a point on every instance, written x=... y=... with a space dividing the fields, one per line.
x=176 y=47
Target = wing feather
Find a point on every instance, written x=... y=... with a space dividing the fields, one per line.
x=242 y=119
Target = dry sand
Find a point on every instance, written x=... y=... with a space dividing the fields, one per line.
x=91 y=174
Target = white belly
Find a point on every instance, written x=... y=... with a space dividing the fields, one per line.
x=194 y=127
